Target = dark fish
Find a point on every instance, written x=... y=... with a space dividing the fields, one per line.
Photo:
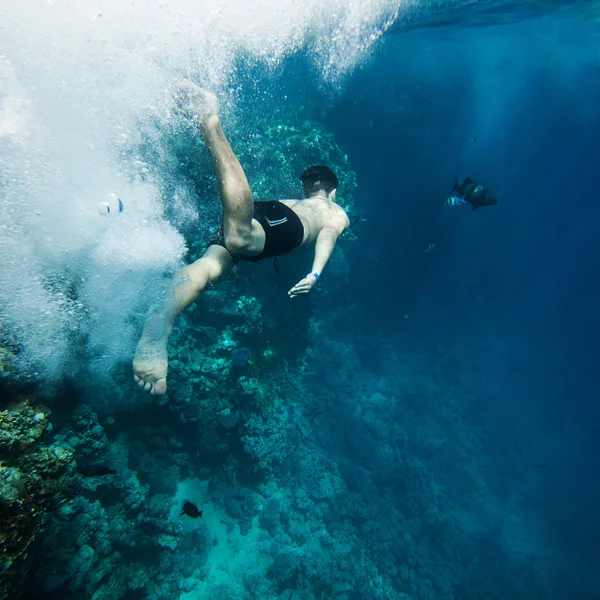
x=470 y=192
x=430 y=248
x=191 y=510
x=94 y=470
x=474 y=140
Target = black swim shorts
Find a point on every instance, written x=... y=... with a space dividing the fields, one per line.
x=283 y=231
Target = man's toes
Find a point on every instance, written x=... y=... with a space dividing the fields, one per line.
x=141 y=382
x=160 y=387
x=148 y=386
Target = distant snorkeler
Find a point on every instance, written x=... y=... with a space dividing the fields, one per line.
x=251 y=231
x=431 y=248
x=470 y=192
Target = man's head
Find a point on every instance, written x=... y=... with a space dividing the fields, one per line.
x=319 y=179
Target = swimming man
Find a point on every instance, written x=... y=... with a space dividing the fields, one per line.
x=251 y=231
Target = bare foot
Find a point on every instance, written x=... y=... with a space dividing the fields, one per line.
x=196 y=103
x=151 y=360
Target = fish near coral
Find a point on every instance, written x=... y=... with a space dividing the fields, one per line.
x=191 y=510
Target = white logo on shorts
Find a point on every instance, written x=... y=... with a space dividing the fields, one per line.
x=277 y=222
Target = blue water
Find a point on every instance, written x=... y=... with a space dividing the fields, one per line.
x=423 y=426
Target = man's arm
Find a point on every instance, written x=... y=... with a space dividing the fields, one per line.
x=323 y=248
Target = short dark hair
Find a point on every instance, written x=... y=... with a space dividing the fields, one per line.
x=318 y=178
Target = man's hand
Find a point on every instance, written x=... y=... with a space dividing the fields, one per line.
x=303 y=286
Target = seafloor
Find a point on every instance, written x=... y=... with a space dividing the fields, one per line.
x=350 y=470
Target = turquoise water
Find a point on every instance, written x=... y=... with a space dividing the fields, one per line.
x=422 y=425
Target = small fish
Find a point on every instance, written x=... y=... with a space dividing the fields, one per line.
x=95 y=470
x=474 y=140
x=112 y=203
x=191 y=510
x=455 y=200
x=431 y=247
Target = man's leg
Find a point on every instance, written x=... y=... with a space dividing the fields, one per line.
x=243 y=235
x=151 y=360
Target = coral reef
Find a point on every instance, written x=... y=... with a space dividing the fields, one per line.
x=287 y=149
x=33 y=472
x=255 y=444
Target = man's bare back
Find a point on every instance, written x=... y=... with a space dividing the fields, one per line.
x=315 y=213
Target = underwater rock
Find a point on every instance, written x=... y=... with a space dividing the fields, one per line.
x=249 y=386
x=20 y=427
x=271 y=514
x=192 y=411
x=268 y=547
x=32 y=475
x=240 y=357
x=227 y=418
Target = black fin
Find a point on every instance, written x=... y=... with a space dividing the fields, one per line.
x=467 y=181
x=474 y=207
x=456 y=186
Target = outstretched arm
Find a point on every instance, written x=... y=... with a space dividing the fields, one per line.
x=323 y=248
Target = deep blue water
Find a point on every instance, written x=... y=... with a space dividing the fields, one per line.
x=515 y=286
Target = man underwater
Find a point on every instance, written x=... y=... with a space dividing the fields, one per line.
x=251 y=231
x=470 y=192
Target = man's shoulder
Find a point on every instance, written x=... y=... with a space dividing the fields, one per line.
x=339 y=209
x=340 y=212
x=338 y=218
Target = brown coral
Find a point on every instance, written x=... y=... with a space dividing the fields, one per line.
x=32 y=473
